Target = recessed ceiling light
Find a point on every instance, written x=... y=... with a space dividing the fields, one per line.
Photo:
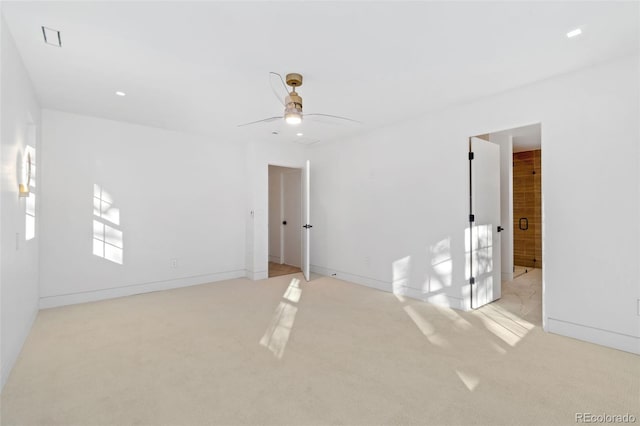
x=574 y=33
x=52 y=36
x=119 y=93
x=299 y=134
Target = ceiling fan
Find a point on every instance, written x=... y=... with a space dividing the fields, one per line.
x=292 y=103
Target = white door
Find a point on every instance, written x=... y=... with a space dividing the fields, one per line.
x=306 y=218
x=292 y=217
x=483 y=245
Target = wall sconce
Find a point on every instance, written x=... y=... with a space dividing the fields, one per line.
x=25 y=189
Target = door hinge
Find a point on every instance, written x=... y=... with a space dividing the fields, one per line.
x=472 y=218
x=471 y=155
x=472 y=280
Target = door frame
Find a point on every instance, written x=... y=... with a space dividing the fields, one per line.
x=265 y=224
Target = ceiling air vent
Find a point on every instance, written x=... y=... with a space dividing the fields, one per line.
x=52 y=37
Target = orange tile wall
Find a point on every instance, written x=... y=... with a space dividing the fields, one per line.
x=527 y=203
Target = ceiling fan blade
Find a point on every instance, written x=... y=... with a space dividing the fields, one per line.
x=337 y=117
x=278 y=87
x=266 y=120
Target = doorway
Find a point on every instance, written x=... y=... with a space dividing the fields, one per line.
x=285 y=220
x=521 y=207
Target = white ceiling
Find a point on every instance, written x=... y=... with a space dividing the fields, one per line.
x=203 y=67
x=525 y=138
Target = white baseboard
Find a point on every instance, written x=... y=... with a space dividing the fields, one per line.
x=257 y=275
x=274 y=259
x=357 y=279
x=439 y=299
x=506 y=276
x=612 y=339
x=111 y=293
x=15 y=348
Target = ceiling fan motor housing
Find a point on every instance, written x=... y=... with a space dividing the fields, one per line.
x=294 y=101
x=294 y=79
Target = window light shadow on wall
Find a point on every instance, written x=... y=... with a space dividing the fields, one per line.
x=277 y=334
x=440 y=265
x=401 y=270
x=108 y=240
x=30 y=210
x=480 y=247
x=478 y=242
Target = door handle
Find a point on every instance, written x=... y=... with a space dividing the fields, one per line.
x=500 y=228
x=307 y=226
x=526 y=223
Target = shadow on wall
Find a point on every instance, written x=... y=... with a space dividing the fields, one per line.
x=478 y=242
x=107 y=238
x=30 y=209
x=438 y=275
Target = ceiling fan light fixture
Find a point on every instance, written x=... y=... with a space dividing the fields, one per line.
x=293 y=117
x=293 y=104
x=293 y=110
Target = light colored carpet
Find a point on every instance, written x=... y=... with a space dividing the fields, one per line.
x=283 y=351
x=277 y=269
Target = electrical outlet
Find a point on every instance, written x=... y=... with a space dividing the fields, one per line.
x=367 y=261
x=174 y=263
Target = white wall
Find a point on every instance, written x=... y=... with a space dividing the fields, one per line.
x=505 y=140
x=391 y=205
x=179 y=197
x=18 y=257
x=390 y=208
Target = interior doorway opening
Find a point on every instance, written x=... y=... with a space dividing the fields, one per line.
x=521 y=209
x=285 y=220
